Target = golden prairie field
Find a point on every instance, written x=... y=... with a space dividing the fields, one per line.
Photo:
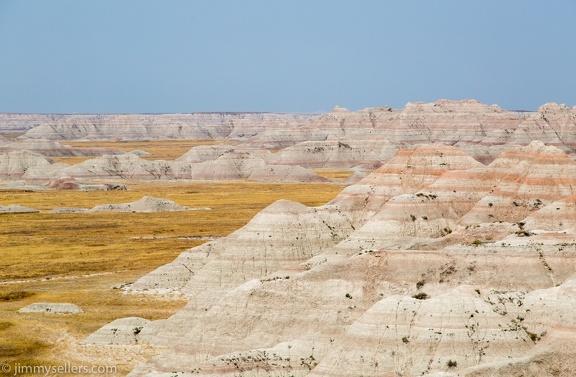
x=80 y=257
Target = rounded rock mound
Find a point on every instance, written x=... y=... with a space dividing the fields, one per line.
x=16 y=208
x=51 y=308
x=146 y=204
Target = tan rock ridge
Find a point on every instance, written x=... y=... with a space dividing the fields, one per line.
x=358 y=286
x=197 y=126
x=16 y=208
x=213 y=163
x=482 y=131
x=17 y=123
x=51 y=308
x=145 y=204
x=340 y=139
x=229 y=166
x=28 y=166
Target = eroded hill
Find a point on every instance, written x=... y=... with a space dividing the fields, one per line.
x=432 y=265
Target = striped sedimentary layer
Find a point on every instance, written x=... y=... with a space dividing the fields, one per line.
x=235 y=165
x=198 y=126
x=414 y=283
x=340 y=138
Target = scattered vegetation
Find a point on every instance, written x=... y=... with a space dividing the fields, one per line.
x=15 y=295
x=264 y=361
x=420 y=296
x=420 y=284
x=524 y=233
x=452 y=363
x=427 y=196
x=446 y=271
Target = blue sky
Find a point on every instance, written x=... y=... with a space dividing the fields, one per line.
x=121 y=56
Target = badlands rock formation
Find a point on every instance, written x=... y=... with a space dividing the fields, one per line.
x=51 y=308
x=231 y=165
x=120 y=331
x=15 y=208
x=425 y=267
x=28 y=166
x=272 y=147
x=15 y=123
x=72 y=184
x=365 y=138
x=146 y=204
x=227 y=167
x=197 y=126
x=480 y=130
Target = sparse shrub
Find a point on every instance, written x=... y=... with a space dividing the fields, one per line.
x=405 y=339
x=348 y=295
x=452 y=363
x=524 y=233
x=420 y=296
x=534 y=337
x=15 y=295
x=413 y=217
x=420 y=284
x=476 y=242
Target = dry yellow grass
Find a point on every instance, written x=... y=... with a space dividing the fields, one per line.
x=336 y=174
x=158 y=149
x=50 y=254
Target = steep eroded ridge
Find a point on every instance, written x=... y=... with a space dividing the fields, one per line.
x=327 y=291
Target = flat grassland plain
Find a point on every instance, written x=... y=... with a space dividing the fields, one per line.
x=81 y=257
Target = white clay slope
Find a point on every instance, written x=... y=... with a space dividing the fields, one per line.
x=350 y=312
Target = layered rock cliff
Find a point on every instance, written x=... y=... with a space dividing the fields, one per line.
x=362 y=139
x=340 y=138
x=409 y=272
x=197 y=126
